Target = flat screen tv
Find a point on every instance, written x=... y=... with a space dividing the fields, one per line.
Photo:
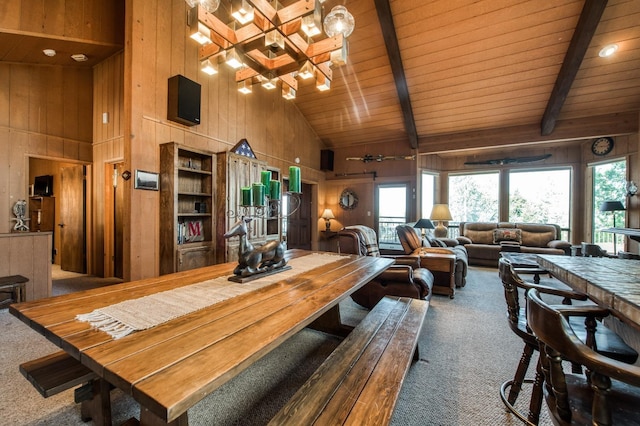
x=43 y=186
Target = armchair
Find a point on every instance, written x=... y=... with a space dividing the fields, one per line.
x=403 y=279
x=412 y=244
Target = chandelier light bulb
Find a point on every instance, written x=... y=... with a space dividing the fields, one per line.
x=339 y=21
x=210 y=5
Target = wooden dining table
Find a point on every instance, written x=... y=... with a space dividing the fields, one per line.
x=172 y=366
x=610 y=282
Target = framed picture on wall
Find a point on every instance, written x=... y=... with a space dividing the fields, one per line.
x=146 y=180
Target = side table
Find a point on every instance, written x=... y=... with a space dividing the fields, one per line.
x=441 y=262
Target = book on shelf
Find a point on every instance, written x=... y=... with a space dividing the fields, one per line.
x=190 y=231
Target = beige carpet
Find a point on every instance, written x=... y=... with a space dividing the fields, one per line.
x=467 y=351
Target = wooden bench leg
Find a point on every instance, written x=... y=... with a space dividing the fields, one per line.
x=98 y=408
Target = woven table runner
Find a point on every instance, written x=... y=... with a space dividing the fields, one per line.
x=122 y=319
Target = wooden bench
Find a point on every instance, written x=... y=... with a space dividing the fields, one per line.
x=360 y=381
x=55 y=373
x=58 y=372
x=15 y=285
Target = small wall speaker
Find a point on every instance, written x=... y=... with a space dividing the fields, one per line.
x=183 y=102
x=326 y=160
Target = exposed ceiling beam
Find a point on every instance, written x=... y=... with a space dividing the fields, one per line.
x=574 y=129
x=587 y=24
x=393 y=52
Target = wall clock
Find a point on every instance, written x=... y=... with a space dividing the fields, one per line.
x=602 y=146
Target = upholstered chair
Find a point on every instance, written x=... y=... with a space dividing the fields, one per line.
x=609 y=395
x=413 y=244
x=404 y=279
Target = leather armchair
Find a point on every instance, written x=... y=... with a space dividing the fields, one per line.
x=403 y=279
x=413 y=245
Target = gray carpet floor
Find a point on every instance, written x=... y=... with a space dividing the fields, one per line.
x=466 y=351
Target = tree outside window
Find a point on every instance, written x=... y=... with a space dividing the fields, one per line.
x=474 y=197
x=540 y=196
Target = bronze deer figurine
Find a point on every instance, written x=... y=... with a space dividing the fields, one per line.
x=254 y=260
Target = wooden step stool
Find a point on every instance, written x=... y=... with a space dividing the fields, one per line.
x=15 y=285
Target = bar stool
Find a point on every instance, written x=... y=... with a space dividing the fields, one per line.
x=607 y=342
x=15 y=286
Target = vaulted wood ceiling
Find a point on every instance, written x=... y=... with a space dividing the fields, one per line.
x=421 y=72
x=474 y=65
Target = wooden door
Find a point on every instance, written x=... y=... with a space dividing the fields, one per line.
x=72 y=220
x=299 y=223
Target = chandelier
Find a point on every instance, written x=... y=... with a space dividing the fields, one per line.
x=267 y=43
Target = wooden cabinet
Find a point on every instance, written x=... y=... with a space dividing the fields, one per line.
x=42 y=212
x=235 y=172
x=187 y=205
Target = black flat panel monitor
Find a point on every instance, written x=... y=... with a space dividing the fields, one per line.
x=43 y=186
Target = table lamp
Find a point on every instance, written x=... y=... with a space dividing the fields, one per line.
x=327 y=215
x=423 y=224
x=613 y=207
x=441 y=213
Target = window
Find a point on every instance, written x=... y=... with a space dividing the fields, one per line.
x=428 y=194
x=609 y=184
x=474 y=197
x=392 y=211
x=540 y=196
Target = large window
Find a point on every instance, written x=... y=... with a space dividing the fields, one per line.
x=392 y=211
x=609 y=184
x=474 y=197
x=428 y=194
x=540 y=196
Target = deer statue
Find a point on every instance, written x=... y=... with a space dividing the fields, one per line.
x=254 y=260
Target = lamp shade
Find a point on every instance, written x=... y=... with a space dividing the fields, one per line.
x=440 y=212
x=611 y=206
x=424 y=224
x=327 y=214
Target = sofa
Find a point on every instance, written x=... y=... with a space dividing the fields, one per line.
x=485 y=240
x=414 y=244
x=403 y=279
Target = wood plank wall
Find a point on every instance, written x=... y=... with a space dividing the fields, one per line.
x=86 y=20
x=108 y=148
x=160 y=48
x=44 y=112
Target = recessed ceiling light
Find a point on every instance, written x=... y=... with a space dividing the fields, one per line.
x=608 y=50
x=79 y=57
x=49 y=52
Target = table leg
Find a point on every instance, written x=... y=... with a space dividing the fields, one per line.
x=330 y=322
x=147 y=418
x=98 y=408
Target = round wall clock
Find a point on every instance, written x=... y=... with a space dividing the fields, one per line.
x=602 y=146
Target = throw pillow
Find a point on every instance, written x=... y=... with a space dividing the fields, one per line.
x=507 y=234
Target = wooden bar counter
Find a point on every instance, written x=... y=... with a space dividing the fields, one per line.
x=611 y=282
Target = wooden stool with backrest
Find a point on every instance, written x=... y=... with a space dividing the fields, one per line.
x=608 y=343
x=610 y=392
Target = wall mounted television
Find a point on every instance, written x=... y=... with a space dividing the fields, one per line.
x=43 y=186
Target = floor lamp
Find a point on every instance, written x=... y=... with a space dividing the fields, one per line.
x=613 y=207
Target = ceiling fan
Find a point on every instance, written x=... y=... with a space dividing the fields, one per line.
x=508 y=160
x=379 y=158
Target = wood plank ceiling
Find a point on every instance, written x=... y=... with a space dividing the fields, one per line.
x=469 y=66
x=474 y=65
